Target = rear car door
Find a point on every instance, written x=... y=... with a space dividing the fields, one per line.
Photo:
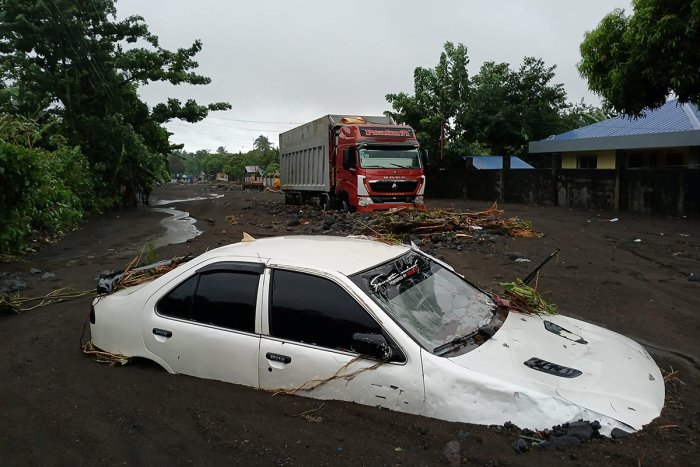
x=306 y=347
x=207 y=323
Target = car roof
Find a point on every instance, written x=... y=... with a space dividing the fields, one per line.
x=347 y=255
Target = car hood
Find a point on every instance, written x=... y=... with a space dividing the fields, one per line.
x=589 y=366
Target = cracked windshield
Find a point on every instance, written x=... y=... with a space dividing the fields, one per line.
x=433 y=304
x=373 y=157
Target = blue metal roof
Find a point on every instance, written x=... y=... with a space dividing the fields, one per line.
x=496 y=162
x=671 y=117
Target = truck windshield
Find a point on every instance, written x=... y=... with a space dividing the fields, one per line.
x=430 y=302
x=389 y=157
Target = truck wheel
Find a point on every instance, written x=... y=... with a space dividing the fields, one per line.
x=345 y=206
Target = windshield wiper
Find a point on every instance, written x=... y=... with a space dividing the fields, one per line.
x=463 y=340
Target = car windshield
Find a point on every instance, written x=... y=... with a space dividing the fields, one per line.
x=432 y=303
x=389 y=157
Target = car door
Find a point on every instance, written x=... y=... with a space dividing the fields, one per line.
x=306 y=347
x=207 y=324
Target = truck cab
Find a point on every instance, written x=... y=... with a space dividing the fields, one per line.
x=377 y=167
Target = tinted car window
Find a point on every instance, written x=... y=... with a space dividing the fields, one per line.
x=227 y=299
x=178 y=302
x=221 y=298
x=314 y=310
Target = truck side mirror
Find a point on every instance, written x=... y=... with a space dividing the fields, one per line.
x=424 y=157
x=350 y=158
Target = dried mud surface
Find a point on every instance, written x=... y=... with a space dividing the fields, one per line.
x=58 y=407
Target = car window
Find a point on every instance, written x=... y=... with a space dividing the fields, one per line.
x=227 y=299
x=315 y=310
x=221 y=298
x=178 y=302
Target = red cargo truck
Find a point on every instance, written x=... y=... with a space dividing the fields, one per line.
x=358 y=163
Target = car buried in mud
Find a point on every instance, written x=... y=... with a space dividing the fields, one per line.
x=383 y=325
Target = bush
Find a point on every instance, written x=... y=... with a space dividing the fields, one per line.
x=41 y=192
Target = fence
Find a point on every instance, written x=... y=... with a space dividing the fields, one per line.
x=674 y=191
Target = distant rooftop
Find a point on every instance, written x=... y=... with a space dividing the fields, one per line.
x=670 y=125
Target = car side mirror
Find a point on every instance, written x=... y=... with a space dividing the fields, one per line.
x=372 y=345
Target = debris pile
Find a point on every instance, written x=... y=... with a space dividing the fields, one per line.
x=446 y=223
x=559 y=436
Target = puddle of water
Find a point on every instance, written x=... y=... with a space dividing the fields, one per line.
x=165 y=202
x=179 y=227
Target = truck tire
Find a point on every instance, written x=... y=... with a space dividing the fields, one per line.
x=345 y=205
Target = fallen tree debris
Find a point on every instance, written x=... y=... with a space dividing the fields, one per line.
x=18 y=304
x=392 y=225
x=131 y=276
x=522 y=298
x=341 y=373
x=100 y=356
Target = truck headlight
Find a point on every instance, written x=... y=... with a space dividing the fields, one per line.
x=364 y=202
x=418 y=200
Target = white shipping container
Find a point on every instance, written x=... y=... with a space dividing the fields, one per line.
x=304 y=152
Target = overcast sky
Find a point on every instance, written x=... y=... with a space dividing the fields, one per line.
x=282 y=63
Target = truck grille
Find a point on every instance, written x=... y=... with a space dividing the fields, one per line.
x=393 y=186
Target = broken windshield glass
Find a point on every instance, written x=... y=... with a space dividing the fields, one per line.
x=432 y=303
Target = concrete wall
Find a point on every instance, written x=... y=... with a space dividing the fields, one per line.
x=668 y=191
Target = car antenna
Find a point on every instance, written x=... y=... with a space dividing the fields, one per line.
x=537 y=269
x=247 y=237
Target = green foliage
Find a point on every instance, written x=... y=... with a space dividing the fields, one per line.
x=41 y=192
x=70 y=59
x=439 y=94
x=148 y=254
x=497 y=111
x=635 y=61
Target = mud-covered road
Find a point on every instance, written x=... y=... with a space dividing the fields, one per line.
x=58 y=407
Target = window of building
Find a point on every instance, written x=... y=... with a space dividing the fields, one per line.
x=221 y=298
x=586 y=162
x=325 y=315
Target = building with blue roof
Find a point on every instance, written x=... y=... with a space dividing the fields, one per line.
x=665 y=137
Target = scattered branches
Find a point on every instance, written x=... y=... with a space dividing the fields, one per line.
x=341 y=373
x=19 y=304
x=389 y=227
x=100 y=356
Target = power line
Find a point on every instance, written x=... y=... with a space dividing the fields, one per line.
x=256 y=121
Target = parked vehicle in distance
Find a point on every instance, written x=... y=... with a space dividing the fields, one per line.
x=361 y=163
x=292 y=313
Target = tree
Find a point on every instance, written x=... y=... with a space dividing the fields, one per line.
x=72 y=60
x=262 y=143
x=636 y=61
x=506 y=109
x=438 y=95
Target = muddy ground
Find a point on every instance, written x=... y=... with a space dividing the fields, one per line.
x=58 y=407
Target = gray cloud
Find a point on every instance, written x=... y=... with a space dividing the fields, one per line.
x=284 y=61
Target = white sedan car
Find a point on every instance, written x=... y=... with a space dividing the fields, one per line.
x=383 y=325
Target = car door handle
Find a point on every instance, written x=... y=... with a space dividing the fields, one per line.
x=162 y=332
x=275 y=357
